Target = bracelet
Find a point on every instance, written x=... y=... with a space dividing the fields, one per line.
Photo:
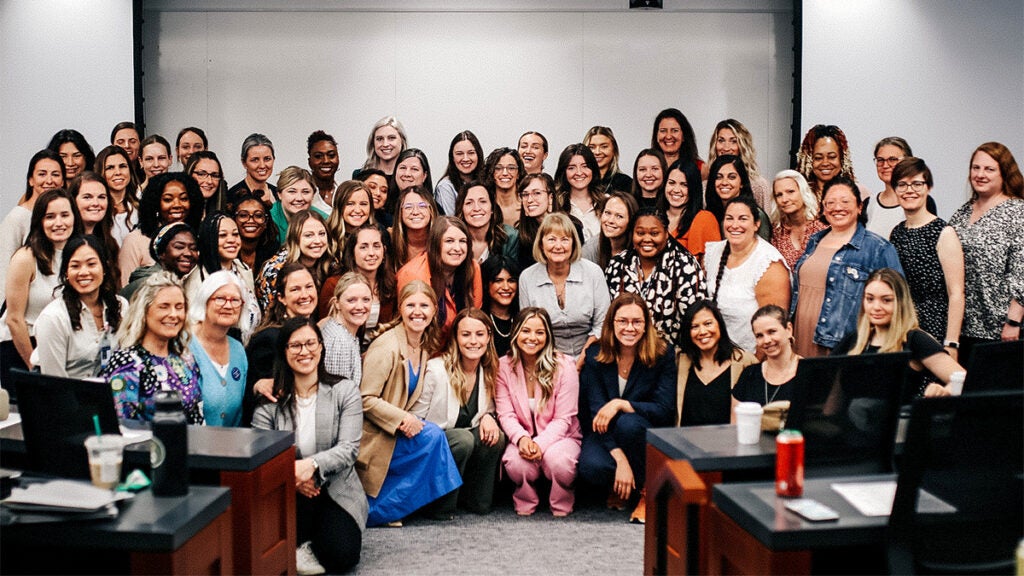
x=1012 y=323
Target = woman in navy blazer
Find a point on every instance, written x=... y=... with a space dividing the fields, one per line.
x=629 y=375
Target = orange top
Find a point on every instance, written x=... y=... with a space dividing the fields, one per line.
x=703 y=229
x=418 y=269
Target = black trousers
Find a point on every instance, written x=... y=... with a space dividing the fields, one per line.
x=335 y=535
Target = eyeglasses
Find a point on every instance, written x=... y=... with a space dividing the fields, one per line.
x=891 y=161
x=417 y=206
x=916 y=186
x=296 y=347
x=203 y=175
x=534 y=194
x=246 y=216
x=225 y=302
x=637 y=323
x=511 y=168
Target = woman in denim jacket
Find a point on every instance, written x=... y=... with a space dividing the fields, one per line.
x=828 y=280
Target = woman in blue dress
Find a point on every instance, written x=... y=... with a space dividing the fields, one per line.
x=220 y=358
x=404 y=462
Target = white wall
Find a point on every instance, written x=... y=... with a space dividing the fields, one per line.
x=946 y=75
x=63 y=64
x=496 y=68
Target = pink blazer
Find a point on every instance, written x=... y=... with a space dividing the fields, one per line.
x=558 y=418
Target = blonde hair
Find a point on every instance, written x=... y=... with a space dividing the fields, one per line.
x=806 y=194
x=452 y=358
x=746 y=142
x=347 y=280
x=371 y=152
x=556 y=222
x=431 y=342
x=547 y=359
x=904 y=317
x=292 y=240
x=133 y=326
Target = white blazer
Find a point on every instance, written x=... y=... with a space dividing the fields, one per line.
x=439 y=404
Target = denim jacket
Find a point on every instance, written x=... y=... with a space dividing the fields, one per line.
x=847 y=274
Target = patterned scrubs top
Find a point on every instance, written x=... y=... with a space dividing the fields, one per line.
x=135 y=375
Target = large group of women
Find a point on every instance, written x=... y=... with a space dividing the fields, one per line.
x=417 y=338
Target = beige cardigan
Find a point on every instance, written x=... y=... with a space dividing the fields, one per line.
x=740 y=360
x=386 y=401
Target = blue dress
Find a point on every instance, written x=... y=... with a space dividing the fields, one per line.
x=422 y=470
x=222 y=395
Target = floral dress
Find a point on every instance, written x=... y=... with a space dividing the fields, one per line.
x=135 y=375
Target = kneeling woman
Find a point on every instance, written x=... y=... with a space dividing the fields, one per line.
x=630 y=383
x=404 y=462
x=458 y=396
x=326 y=415
x=537 y=396
x=888 y=323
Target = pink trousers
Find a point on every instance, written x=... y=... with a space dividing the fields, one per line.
x=558 y=465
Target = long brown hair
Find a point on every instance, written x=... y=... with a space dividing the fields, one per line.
x=650 y=347
x=452 y=357
x=547 y=359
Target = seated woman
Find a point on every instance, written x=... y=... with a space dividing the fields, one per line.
x=771 y=380
x=404 y=461
x=447 y=267
x=793 y=211
x=745 y=272
x=342 y=326
x=537 y=397
x=69 y=343
x=662 y=272
x=887 y=323
x=649 y=170
x=629 y=381
x=219 y=246
x=501 y=298
x=688 y=222
x=169 y=198
x=309 y=244
x=478 y=209
x=458 y=396
x=465 y=164
x=326 y=416
x=602 y=143
x=617 y=220
x=216 y=307
x=154 y=353
x=709 y=367
x=566 y=286
x=295 y=188
x=174 y=249
x=32 y=278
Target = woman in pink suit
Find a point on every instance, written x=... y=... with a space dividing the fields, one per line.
x=537 y=397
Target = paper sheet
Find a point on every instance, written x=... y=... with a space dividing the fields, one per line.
x=876 y=498
x=12 y=419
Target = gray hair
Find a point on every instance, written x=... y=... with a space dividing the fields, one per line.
x=253 y=140
x=212 y=283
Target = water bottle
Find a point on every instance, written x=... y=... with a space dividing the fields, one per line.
x=170 y=428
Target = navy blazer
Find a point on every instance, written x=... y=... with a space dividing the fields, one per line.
x=651 y=391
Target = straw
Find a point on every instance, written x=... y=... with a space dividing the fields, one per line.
x=96 y=424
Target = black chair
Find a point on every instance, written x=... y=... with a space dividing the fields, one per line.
x=847 y=408
x=959 y=507
x=995 y=366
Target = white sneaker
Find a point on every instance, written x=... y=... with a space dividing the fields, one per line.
x=305 y=560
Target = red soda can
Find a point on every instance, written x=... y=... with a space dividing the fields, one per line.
x=789 y=463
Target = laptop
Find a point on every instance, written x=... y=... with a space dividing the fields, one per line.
x=57 y=415
x=995 y=366
x=847 y=408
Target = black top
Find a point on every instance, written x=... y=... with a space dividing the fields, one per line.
x=920 y=345
x=918 y=252
x=469 y=409
x=706 y=403
x=752 y=387
x=260 y=194
x=502 y=335
x=617 y=181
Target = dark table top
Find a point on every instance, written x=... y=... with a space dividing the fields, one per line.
x=713 y=448
x=755 y=508
x=209 y=447
x=146 y=523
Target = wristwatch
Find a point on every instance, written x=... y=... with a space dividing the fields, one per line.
x=1012 y=323
x=950 y=344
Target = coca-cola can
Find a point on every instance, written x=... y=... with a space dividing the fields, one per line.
x=789 y=463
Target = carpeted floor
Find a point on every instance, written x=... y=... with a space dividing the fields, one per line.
x=592 y=540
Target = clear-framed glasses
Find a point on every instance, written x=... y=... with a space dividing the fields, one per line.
x=296 y=347
x=533 y=194
x=511 y=168
x=411 y=206
x=227 y=302
x=890 y=161
x=637 y=323
x=916 y=186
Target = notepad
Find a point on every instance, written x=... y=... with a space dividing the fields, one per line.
x=61 y=496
